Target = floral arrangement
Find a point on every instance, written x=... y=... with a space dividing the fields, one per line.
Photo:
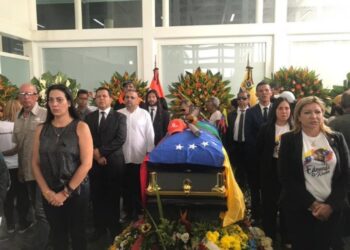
x=339 y=89
x=7 y=90
x=116 y=84
x=300 y=81
x=144 y=235
x=47 y=79
x=198 y=87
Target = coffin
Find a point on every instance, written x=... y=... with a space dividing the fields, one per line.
x=191 y=173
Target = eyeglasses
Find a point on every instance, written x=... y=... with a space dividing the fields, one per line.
x=242 y=98
x=130 y=97
x=23 y=94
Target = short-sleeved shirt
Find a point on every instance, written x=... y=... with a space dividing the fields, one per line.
x=319 y=163
x=23 y=136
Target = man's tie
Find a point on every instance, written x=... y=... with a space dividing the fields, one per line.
x=103 y=119
x=265 y=114
x=152 y=114
x=240 y=127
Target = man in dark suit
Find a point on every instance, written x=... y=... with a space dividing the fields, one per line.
x=235 y=138
x=342 y=123
x=108 y=129
x=255 y=117
x=160 y=116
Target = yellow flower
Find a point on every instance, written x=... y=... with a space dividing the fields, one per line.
x=145 y=228
x=226 y=241
x=212 y=236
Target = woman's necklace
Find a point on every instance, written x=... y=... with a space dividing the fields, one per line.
x=58 y=132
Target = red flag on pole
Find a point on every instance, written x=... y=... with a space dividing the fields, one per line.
x=155 y=84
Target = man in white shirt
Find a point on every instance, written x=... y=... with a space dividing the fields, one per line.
x=139 y=142
x=212 y=106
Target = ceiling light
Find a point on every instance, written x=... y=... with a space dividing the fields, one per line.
x=41 y=26
x=232 y=17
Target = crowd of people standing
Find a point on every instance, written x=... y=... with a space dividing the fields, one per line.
x=295 y=168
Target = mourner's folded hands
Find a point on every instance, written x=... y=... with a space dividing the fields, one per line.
x=55 y=199
x=322 y=211
x=102 y=161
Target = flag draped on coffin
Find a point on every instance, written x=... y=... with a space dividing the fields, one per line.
x=186 y=148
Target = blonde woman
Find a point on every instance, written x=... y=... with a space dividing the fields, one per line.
x=314 y=167
x=18 y=190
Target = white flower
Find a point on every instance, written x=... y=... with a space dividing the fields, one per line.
x=178 y=235
x=42 y=94
x=266 y=242
x=123 y=243
x=185 y=237
x=67 y=83
x=43 y=83
x=211 y=245
x=58 y=79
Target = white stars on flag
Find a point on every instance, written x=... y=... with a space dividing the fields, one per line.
x=192 y=146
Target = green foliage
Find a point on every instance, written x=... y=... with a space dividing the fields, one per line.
x=47 y=79
x=8 y=90
x=338 y=89
x=301 y=82
x=198 y=87
x=116 y=84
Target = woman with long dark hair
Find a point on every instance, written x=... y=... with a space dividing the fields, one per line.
x=268 y=142
x=62 y=157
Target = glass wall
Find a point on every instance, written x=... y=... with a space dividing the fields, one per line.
x=12 y=46
x=208 y=12
x=269 y=11
x=90 y=66
x=16 y=70
x=228 y=59
x=329 y=59
x=55 y=14
x=319 y=11
x=99 y=14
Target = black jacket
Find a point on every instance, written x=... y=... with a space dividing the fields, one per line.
x=294 y=194
x=110 y=138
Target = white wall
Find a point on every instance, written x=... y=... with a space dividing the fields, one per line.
x=16 y=18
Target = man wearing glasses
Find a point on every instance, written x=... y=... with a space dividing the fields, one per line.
x=28 y=118
x=139 y=142
x=236 y=139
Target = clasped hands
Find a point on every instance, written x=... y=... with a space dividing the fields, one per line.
x=55 y=199
x=321 y=211
x=101 y=160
